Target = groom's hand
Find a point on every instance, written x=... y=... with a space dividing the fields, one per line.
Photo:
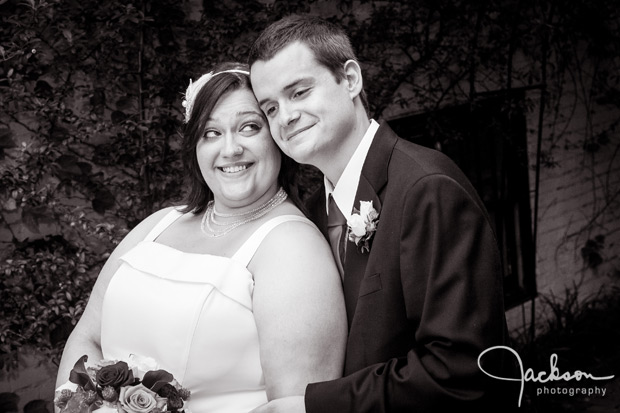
x=291 y=404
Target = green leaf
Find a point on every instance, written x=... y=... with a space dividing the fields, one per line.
x=43 y=89
x=118 y=117
x=6 y=139
x=59 y=134
x=32 y=216
x=124 y=103
x=68 y=163
x=104 y=200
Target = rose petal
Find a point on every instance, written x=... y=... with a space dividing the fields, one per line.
x=365 y=208
x=357 y=225
x=138 y=399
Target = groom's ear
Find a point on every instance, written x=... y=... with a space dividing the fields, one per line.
x=353 y=78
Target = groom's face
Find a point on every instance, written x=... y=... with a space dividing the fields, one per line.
x=309 y=111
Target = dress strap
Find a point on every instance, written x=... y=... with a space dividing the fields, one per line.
x=164 y=223
x=245 y=253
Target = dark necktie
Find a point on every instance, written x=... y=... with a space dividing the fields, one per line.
x=336 y=228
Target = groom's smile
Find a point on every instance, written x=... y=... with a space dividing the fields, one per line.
x=297 y=132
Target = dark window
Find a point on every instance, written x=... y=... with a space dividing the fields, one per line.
x=487 y=140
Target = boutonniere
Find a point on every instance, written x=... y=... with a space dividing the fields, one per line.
x=362 y=225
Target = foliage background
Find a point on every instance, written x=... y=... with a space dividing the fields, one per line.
x=90 y=111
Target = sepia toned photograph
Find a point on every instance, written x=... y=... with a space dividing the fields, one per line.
x=316 y=206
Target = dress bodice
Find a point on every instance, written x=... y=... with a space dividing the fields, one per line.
x=193 y=314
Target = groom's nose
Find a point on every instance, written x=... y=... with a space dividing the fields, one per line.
x=287 y=115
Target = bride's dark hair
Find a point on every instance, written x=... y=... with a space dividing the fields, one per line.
x=199 y=193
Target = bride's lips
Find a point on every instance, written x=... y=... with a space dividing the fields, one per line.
x=235 y=168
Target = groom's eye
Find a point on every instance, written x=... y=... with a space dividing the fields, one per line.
x=270 y=110
x=300 y=93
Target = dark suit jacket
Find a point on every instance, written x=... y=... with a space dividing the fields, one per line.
x=427 y=299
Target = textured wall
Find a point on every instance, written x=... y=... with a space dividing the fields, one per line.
x=579 y=200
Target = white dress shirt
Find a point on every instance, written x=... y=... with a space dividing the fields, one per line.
x=346 y=188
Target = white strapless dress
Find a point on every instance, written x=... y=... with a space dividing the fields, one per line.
x=193 y=314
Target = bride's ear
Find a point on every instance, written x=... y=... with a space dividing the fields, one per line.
x=353 y=78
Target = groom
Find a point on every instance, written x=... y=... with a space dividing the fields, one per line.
x=423 y=282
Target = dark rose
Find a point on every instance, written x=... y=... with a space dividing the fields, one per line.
x=115 y=375
x=175 y=402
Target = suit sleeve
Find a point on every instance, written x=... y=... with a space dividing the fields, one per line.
x=451 y=278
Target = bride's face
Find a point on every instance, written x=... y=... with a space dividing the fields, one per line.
x=236 y=155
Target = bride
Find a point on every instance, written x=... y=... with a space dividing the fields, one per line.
x=236 y=293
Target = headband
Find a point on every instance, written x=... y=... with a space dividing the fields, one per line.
x=194 y=88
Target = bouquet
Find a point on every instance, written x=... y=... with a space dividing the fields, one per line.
x=111 y=386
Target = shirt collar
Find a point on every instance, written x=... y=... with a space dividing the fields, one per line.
x=346 y=188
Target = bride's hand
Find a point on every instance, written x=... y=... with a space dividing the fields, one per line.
x=291 y=404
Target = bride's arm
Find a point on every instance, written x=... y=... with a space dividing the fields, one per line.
x=86 y=336
x=299 y=310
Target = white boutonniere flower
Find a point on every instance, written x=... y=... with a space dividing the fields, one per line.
x=362 y=225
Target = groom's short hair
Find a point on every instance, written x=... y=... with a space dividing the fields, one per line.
x=329 y=43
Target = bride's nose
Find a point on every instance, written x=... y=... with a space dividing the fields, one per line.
x=232 y=147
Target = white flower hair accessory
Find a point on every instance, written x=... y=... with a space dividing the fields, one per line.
x=363 y=225
x=194 y=88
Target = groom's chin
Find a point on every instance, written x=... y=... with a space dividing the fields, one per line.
x=294 y=150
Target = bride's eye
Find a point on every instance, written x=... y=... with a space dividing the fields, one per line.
x=250 y=128
x=210 y=134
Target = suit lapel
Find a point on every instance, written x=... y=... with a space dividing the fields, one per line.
x=355 y=261
x=372 y=181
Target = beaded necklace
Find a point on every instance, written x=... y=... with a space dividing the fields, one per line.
x=209 y=220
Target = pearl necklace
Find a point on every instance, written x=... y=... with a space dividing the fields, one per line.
x=208 y=219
